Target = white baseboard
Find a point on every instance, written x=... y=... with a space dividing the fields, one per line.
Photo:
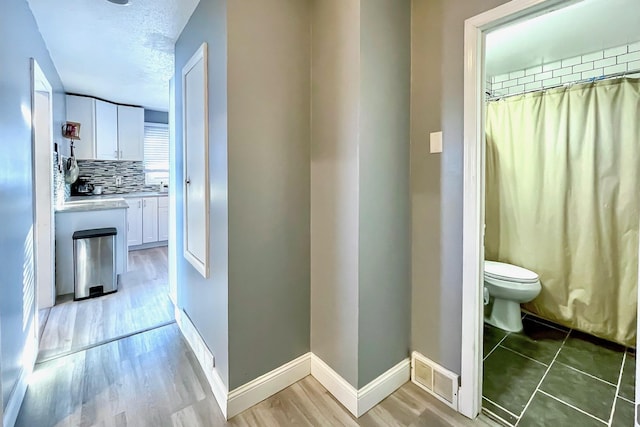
x=358 y=402
x=205 y=358
x=340 y=388
x=268 y=384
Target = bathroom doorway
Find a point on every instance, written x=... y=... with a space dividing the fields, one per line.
x=553 y=380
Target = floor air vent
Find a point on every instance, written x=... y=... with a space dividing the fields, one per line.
x=435 y=379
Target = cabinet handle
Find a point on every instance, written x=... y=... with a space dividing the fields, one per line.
x=115 y=154
x=144 y=203
x=121 y=154
x=139 y=204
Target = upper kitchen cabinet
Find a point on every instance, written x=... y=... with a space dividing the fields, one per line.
x=82 y=109
x=108 y=131
x=131 y=133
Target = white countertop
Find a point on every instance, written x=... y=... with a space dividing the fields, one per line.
x=88 y=204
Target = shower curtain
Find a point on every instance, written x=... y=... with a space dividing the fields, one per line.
x=563 y=200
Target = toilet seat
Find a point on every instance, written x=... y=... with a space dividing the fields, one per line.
x=509 y=273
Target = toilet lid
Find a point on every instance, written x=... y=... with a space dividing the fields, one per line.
x=512 y=273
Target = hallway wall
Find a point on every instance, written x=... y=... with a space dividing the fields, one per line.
x=436 y=179
x=20 y=40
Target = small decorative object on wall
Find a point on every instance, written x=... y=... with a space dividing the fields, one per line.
x=71 y=130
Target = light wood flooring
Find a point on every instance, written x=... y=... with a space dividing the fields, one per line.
x=153 y=379
x=141 y=303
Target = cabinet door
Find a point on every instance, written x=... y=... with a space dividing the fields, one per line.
x=149 y=219
x=82 y=109
x=134 y=222
x=106 y=130
x=130 y=133
x=163 y=218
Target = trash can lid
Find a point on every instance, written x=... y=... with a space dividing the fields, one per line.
x=96 y=232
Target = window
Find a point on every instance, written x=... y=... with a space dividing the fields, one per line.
x=156 y=153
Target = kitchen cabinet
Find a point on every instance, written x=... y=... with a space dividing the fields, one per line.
x=149 y=219
x=82 y=109
x=163 y=218
x=130 y=133
x=107 y=131
x=134 y=221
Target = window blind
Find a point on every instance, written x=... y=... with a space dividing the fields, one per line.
x=156 y=152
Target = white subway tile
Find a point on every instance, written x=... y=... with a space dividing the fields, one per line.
x=544 y=76
x=525 y=80
x=516 y=74
x=629 y=57
x=502 y=92
x=583 y=67
x=607 y=62
x=562 y=72
x=620 y=68
x=510 y=83
x=592 y=74
x=634 y=47
x=593 y=56
x=533 y=70
x=501 y=78
x=533 y=85
x=552 y=82
x=615 y=51
x=496 y=86
x=571 y=78
x=552 y=66
x=635 y=76
x=516 y=89
x=633 y=66
x=571 y=61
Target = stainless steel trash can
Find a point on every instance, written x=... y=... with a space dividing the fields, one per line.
x=94 y=262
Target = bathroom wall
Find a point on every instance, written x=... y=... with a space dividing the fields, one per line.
x=103 y=172
x=594 y=65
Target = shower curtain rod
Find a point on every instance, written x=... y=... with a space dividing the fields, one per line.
x=591 y=80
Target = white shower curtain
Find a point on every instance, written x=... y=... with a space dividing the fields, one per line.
x=563 y=200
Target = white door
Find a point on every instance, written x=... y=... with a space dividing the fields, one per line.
x=149 y=219
x=43 y=189
x=196 y=161
x=130 y=133
x=134 y=222
x=106 y=130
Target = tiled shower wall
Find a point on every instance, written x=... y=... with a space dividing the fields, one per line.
x=584 y=68
x=104 y=172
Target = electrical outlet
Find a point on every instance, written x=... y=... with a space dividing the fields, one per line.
x=118 y=181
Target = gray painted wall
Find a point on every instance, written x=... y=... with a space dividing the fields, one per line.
x=436 y=179
x=269 y=141
x=154 y=116
x=19 y=41
x=334 y=185
x=206 y=300
x=384 y=210
x=360 y=221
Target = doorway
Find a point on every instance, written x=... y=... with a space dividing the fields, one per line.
x=42 y=133
x=476 y=30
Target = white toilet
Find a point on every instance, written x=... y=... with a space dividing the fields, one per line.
x=509 y=286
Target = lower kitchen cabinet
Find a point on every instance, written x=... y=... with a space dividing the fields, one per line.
x=148 y=220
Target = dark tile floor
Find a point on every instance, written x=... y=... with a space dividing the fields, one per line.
x=548 y=375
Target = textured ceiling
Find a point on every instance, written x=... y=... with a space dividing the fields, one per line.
x=122 y=54
x=580 y=28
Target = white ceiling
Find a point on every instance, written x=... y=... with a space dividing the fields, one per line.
x=122 y=54
x=583 y=27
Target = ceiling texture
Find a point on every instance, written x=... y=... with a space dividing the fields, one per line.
x=580 y=28
x=122 y=54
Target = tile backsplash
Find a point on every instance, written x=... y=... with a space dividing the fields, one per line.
x=104 y=172
x=61 y=190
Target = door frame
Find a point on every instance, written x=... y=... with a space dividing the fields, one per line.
x=475 y=30
x=40 y=83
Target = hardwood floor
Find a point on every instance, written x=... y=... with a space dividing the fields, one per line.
x=153 y=379
x=140 y=303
